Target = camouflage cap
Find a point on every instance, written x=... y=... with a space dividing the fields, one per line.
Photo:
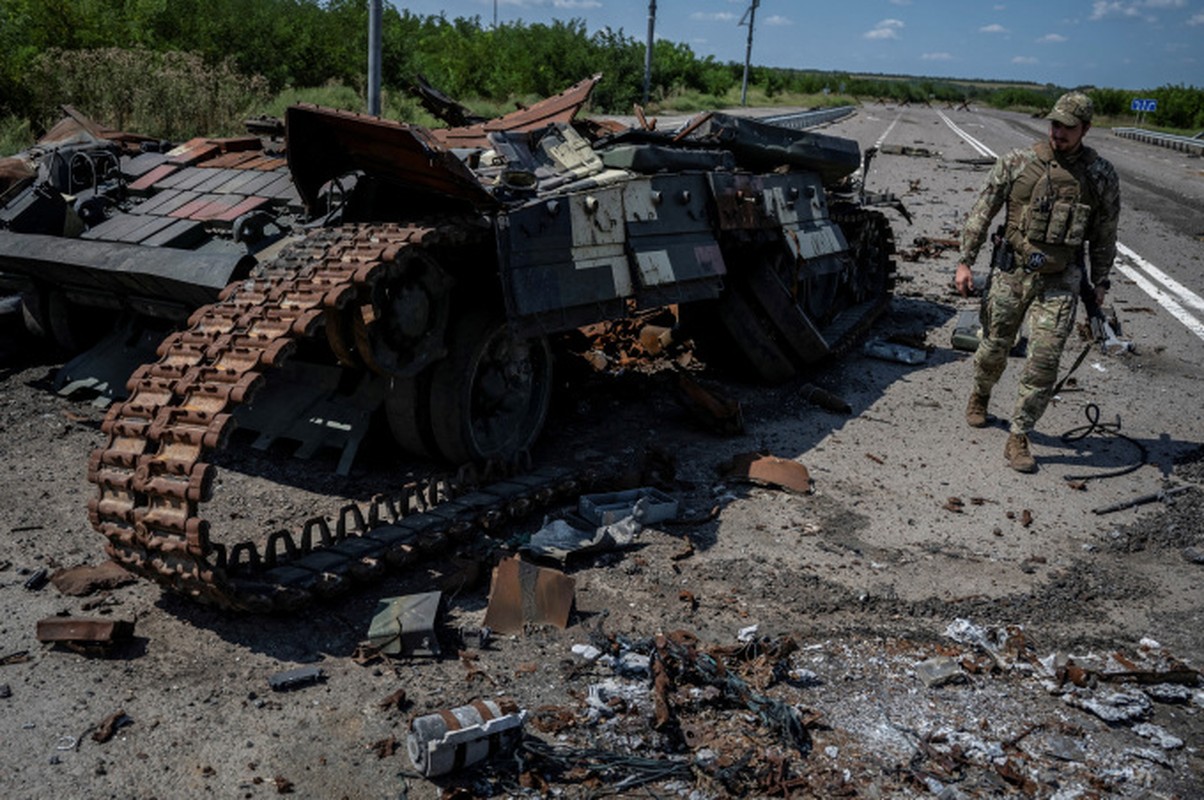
x=1072 y=109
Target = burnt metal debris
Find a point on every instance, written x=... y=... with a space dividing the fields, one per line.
x=84 y=630
x=523 y=594
x=290 y=679
x=406 y=625
x=361 y=263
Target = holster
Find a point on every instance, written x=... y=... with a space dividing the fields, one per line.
x=1003 y=255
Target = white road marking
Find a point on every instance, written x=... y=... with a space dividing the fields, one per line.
x=889 y=128
x=982 y=149
x=1181 y=292
x=1173 y=301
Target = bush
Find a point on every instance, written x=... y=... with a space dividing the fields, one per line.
x=169 y=95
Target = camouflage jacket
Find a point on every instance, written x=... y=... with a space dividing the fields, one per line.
x=1102 y=190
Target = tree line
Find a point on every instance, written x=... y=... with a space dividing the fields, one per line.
x=192 y=65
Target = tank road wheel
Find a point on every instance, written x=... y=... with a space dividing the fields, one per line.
x=48 y=314
x=35 y=314
x=404 y=408
x=489 y=398
x=871 y=243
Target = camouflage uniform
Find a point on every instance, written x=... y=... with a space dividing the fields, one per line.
x=1049 y=296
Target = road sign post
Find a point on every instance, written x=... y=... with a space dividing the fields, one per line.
x=1141 y=105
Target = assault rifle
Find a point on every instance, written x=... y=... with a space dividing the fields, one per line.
x=1102 y=331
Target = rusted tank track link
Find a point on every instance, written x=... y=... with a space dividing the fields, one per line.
x=153 y=479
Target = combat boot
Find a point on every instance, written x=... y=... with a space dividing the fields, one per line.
x=976 y=410
x=1017 y=454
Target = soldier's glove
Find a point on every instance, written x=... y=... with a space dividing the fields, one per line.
x=1035 y=262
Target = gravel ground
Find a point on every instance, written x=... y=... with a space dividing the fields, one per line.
x=939 y=625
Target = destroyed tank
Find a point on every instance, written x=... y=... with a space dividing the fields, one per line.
x=303 y=283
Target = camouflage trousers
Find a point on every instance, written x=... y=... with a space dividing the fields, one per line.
x=1050 y=302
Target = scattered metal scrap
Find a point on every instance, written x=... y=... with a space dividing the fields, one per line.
x=1160 y=496
x=16 y=657
x=295 y=678
x=107 y=728
x=763 y=470
x=825 y=399
x=618 y=771
x=524 y=594
x=906 y=150
x=85 y=579
x=84 y=631
x=929 y=247
x=406 y=625
x=37 y=580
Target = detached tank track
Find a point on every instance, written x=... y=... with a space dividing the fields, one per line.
x=153 y=479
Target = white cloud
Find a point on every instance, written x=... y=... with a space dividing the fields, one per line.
x=886 y=29
x=1197 y=19
x=778 y=21
x=1024 y=60
x=713 y=16
x=936 y=57
x=1131 y=8
x=576 y=4
x=1052 y=38
x=1000 y=7
x=994 y=27
x=900 y=2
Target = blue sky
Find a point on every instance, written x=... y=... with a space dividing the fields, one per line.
x=1123 y=44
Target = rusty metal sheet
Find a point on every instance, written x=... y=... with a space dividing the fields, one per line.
x=219 y=205
x=523 y=593
x=766 y=470
x=183 y=233
x=193 y=151
x=84 y=629
x=232 y=160
x=244 y=205
x=85 y=579
x=324 y=144
x=154 y=176
x=558 y=108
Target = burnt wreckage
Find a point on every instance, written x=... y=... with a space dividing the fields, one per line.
x=362 y=263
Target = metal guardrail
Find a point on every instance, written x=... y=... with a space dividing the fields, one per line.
x=809 y=119
x=1186 y=144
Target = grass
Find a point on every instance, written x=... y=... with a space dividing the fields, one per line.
x=15 y=135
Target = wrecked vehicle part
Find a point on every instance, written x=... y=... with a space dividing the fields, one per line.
x=524 y=594
x=406 y=625
x=451 y=739
x=427 y=269
x=771 y=471
x=290 y=679
x=678 y=658
x=83 y=630
x=620 y=771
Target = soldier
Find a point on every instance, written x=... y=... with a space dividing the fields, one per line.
x=1063 y=200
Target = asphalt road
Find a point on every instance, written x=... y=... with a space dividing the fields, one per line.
x=868 y=573
x=1162 y=194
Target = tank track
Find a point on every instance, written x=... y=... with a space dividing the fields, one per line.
x=153 y=476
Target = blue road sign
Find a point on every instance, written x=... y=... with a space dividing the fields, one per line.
x=1142 y=104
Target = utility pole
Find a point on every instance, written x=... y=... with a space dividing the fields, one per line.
x=750 y=15
x=648 y=49
x=495 y=15
x=374 y=15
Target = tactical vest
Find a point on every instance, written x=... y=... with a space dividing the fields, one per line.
x=1049 y=207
